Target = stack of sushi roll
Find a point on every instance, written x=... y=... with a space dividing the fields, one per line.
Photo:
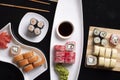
x=35 y=26
x=103 y=57
x=99 y=37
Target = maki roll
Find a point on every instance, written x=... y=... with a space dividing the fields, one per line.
x=103 y=34
x=101 y=61
x=114 y=39
x=70 y=46
x=114 y=53
x=107 y=63
x=108 y=52
x=31 y=28
x=15 y=50
x=96 y=32
x=59 y=48
x=104 y=42
x=33 y=21
x=40 y=24
x=96 y=50
x=91 y=60
x=102 y=51
x=37 y=31
x=97 y=40
x=28 y=68
x=113 y=63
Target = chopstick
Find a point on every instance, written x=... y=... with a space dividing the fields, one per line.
x=54 y=0
x=42 y=2
x=23 y=7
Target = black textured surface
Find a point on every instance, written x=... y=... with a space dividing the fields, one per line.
x=101 y=13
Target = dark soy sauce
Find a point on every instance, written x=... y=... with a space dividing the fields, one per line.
x=65 y=29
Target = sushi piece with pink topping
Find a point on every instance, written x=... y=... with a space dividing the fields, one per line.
x=59 y=53
x=69 y=57
x=59 y=59
x=59 y=48
x=114 y=39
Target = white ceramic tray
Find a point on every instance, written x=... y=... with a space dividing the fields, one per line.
x=5 y=57
x=70 y=10
x=23 y=27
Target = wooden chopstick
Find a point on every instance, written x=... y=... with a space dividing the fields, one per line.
x=42 y=2
x=54 y=0
x=23 y=7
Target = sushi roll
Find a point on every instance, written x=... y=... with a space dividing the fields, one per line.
x=33 y=21
x=28 y=68
x=59 y=54
x=101 y=61
x=40 y=24
x=70 y=57
x=91 y=60
x=108 y=53
x=114 y=53
x=28 y=54
x=102 y=52
x=39 y=62
x=97 y=40
x=37 y=31
x=70 y=46
x=96 y=50
x=104 y=42
x=114 y=39
x=23 y=62
x=107 y=63
x=31 y=28
x=113 y=63
x=103 y=34
x=59 y=48
x=96 y=32
x=18 y=58
x=33 y=59
x=15 y=50
x=60 y=59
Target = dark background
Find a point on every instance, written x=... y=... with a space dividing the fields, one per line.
x=14 y=15
x=101 y=13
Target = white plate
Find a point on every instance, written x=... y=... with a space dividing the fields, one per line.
x=23 y=27
x=5 y=57
x=73 y=13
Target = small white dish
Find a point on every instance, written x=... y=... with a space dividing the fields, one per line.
x=23 y=27
x=5 y=56
x=66 y=28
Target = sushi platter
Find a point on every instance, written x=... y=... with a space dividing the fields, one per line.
x=103 y=49
x=66 y=52
x=14 y=51
x=27 y=21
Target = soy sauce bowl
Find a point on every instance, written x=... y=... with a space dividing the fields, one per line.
x=65 y=29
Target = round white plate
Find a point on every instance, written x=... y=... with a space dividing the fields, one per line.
x=23 y=27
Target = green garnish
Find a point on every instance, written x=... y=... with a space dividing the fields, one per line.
x=63 y=72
